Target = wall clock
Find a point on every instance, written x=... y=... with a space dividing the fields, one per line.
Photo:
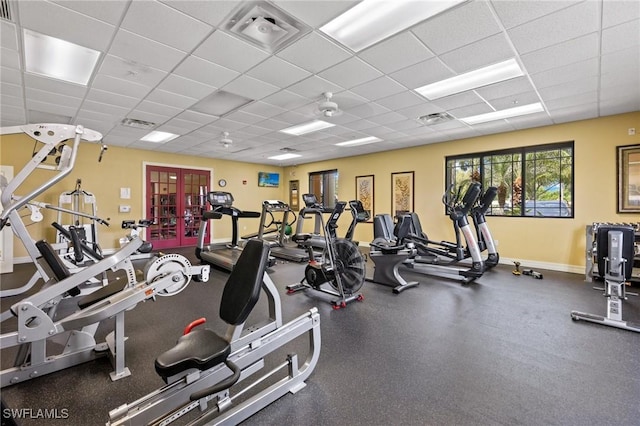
x=222 y=183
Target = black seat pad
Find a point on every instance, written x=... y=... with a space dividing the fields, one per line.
x=101 y=294
x=201 y=349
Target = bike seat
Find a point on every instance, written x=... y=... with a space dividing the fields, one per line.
x=300 y=238
x=200 y=349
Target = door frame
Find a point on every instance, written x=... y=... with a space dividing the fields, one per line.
x=145 y=164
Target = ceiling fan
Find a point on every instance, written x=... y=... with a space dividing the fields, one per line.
x=226 y=140
x=326 y=107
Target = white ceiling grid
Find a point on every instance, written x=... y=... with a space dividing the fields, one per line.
x=159 y=58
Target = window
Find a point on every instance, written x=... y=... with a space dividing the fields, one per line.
x=324 y=185
x=534 y=181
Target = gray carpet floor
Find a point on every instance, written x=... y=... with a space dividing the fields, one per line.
x=501 y=351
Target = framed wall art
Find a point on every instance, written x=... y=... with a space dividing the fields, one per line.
x=365 y=188
x=401 y=193
x=628 y=183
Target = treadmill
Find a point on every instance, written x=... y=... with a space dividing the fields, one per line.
x=222 y=255
x=312 y=205
x=278 y=247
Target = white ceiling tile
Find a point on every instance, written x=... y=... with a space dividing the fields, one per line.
x=185 y=87
x=531 y=120
x=612 y=91
x=397 y=52
x=103 y=108
x=205 y=72
x=164 y=24
x=492 y=127
x=108 y=11
x=196 y=117
x=10 y=59
x=513 y=13
x=426 y=72
x=617 y=106
x=367 y=110
x=11 y=76
x=230 y=52
x=313 y=87
x=130 y=71
x=573 y=88
x=144 y=51
x=571 y=101
x=350 y=73
x=515 y=100
x=401 y=100
x=157 y=109
x=278 y=72
x=8 y=35
x=14 y=101
x=506 y=88
x=620 y=60
x=109 y=97
x=470 y=110
x=477 y=55
x=211 y=12
x=250 y=87
x=621 y=37
x=263 y=109
x=344 y=118
x=315 y=14
x=364 y=124
x=566 y=73
x=388 y=117
x=10 y=89
x=457 y=27
x=379 y=88
x=52 y=98
x=47 y=18
x=169 y=98
x=419 y=110
x=120 y=86
x=181 y=126
x=51 y=85
x=314 y=53
x=617 y=12
x=571 y=51
x=575 y=113
x=244 y=117
x=566 y=24
x=53 y=108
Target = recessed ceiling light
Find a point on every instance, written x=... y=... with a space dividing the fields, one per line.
x=472 y=80
x=284 y=156
x=370 y=21
x=158 y=137
x=59 y=59
x=302 y=129
x=361 y=141
x=505 y=113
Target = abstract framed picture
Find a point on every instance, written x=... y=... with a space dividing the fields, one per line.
x=628 y=183
x=365 y=188
x=402 y=193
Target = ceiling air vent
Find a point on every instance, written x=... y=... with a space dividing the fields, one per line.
x=287 y=149
x=5 y=10
x=265 y=26
x=435 y=118
x=138 y=124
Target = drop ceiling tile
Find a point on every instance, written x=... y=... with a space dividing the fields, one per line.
x=112 y=110
x=498 y=126
x=513 y=13
x=401 y=126
x=230 y=52
x=531 y=120
x=566 y=24
x=244 y=117
x=621 y=37
x=12 y=116
x=350 y=73
x=292 y=118
x=313 y=87
x=52 y=98
x=144 y=51
x=285 y=99
x=397 y=52
x=470 y=110
x=96 y=125
x=457 y=27
x=367 y=110
x=131 y=71
x=576 y=87
x=617 y=12
x=274 y=125
x=46 y=18
x=196 y=117
x=172 y=99
x=250 y=87
x=120 y=86
x=401 y=100
x=362 y=125
x=8 y=35
x=205 y=72
x=278 y=72
x=108 y=11
x=10 y=58
x=426 y=72
x=11 y=76
x=13 y=101
x=159 y=112
x=380 y=131
x=515 y=100
x=480 y=54
x=315 y=14
x=580 y=112
x=263 y=109
x=53 y=108
x=108 y=97
x=185 y=87
x=511 y=87
x=620 y=91
x=381 y=87
x=181 y=127
x=227 y=124
x=561 y=54
x=51 y=85
x=458 y=100
x=621 y=60
x=10 y=89
x=344 y=118
x=314 y=53
x=566 y=73
x=211 y=12
x=159 y=22
x=590 y=98
x=611 y=107
x=419 y=110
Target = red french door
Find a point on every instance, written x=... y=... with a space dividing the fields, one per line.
x=175 y=199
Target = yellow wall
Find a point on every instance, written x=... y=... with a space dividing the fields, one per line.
x=555 y=241
x=122 y=168
x=550 y=241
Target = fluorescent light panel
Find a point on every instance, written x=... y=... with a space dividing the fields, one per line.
x=472 y=80
x=505 y=113
x=59 y=59
x=361 y=141
x=302 y=129
x=284 y=156
x=158 y=137
x=370 y=21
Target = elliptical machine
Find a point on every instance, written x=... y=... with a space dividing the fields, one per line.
x=340 y=271
x=485 y=239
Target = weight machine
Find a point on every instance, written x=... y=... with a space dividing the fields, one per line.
x=205 y=368
x=615 y=247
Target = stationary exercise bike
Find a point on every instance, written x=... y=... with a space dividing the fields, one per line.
x=340 y=271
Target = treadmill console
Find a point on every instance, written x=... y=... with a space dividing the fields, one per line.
x=220 y=199
x=310 y=200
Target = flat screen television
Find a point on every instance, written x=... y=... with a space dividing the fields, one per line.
x=271 y=180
